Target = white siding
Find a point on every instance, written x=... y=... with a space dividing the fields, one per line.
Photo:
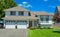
x=17 y=13
x=25 y=13
x=7 y=13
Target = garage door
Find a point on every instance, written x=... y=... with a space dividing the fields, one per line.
x=22 y=25
x=10 y=25
x=16 y=24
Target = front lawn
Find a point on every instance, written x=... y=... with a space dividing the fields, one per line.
x=43 y=33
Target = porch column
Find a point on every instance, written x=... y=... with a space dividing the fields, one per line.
x=27 y=23
x=4 y=23
x=32 y=23
x=37 y=23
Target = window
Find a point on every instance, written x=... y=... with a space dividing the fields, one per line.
x=12 y=13
x=20 y=13
x=41 y=18
x=47 y=19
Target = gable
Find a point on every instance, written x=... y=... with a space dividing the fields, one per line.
x=18 y=8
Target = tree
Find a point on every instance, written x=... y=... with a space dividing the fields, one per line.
x=56 y=17
x=5 y=4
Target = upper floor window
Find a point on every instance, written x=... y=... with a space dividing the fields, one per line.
x=20 y=13
x=12 y=13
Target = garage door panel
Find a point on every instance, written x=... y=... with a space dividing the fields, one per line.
x=22 y=26
x=10 y=26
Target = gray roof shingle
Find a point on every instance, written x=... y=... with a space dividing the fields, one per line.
x=18 y=8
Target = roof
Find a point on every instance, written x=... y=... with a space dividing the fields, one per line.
x=18 y=8
x=20 y=18
x=32 y=14
x=58 y=7
x=41 y=13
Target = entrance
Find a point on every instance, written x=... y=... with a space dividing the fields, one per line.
x=30 y=24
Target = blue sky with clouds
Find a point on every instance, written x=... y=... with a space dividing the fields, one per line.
x=39 y=5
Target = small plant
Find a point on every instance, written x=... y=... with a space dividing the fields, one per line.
x=39 y=26
x=32 y=28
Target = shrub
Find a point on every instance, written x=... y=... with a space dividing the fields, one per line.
x=32 y=28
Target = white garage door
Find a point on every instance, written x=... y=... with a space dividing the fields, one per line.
x=10 y=25
x=13 y=24
x=22 y=25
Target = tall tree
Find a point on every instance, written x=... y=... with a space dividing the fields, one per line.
x=5 y=4
x=56 y=16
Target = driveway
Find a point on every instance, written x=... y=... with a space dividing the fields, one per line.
x=13 y=33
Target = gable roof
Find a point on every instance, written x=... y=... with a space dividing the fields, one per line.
x=18 y=8
x=41 y=13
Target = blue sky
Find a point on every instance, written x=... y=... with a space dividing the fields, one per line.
x=39 y=5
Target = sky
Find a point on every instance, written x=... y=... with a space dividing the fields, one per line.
x=39 y=5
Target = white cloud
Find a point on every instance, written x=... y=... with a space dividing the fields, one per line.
x=20 y=5
x=45 y=0
x=25 y=4
x=29 y=5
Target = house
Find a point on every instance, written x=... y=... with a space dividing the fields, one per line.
x=20 y=18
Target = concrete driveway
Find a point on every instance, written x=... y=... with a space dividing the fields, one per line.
x=13 y=33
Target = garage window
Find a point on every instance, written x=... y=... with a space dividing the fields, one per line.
x=9 y=22
x=21 y=22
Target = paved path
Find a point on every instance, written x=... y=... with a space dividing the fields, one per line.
x=13 y=33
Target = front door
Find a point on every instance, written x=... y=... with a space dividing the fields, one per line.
x=30 y=24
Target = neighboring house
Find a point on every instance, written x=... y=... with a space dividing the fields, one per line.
x=20 y=18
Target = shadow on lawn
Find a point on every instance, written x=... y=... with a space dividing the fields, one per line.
x=56 y=31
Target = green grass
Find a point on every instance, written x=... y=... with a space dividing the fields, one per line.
x=43 y=33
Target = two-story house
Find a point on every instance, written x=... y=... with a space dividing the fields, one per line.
x=20 y=18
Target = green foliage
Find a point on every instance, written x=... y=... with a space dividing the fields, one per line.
x=5 y=4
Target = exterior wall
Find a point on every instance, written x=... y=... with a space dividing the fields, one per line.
x=25 y=13
x=7 y=13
